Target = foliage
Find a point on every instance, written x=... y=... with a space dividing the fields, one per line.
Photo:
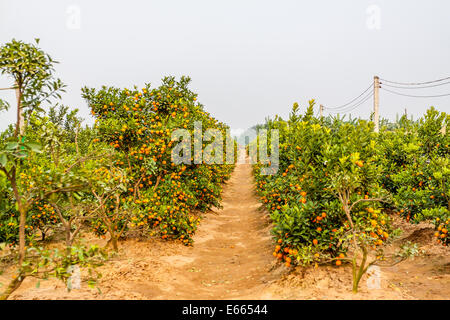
x=42 y=263
x=32 y=71
x=139 y=124
x=337 y=178
x=416 y=168
x=319 y=163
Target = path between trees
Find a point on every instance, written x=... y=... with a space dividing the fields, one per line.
x=232 y=252
x=232 y=259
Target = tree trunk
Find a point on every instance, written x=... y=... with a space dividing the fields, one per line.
x=22 y=216
x=20 y=125
x=22 y=221
x=113 y=241
x=115 y=245
x=68 y=237
x=361 y=271
x=13 y=286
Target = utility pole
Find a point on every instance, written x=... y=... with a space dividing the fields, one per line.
x=321 y=110
x=376 y=101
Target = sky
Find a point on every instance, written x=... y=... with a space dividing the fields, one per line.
x=248 y=60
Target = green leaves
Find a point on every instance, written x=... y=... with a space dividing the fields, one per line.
x=10 y=146
x=4 y=105
x=23 y=61
x=15 y=150
x=31 y=69
x=34 y=146
x=3 y=159
x=321 y=161
x=414 y=158
x=44 y=263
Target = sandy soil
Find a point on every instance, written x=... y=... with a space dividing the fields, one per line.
x=232 y=259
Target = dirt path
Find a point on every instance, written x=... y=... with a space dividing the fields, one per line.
x=232 y=259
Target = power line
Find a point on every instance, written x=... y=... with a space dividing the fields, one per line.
x=415 y=83
x=421 y=87
x=350 y=102
x=414 y=96
x=366 y=95
x=367 y=98
x=356 y=105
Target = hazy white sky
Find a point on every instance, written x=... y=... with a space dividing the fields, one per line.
x=247 y=59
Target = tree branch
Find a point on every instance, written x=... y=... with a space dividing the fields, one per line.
x=363 y=200
x=83 y=159
x=6 y=172
x=63 y=221
x=157 y=182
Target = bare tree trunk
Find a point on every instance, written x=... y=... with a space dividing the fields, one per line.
x=13 y=286
x=68 y=236
x=115 y=244
x=22 y=216
x=22 y=221
x=361 y=271
x=158 y=179
x=20 y=125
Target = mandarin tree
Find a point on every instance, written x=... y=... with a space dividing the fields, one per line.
x=319 y=199
x=139 y=125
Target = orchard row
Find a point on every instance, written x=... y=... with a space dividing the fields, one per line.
x=114 y=179
x=339 y=183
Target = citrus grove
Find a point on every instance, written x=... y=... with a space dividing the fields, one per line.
x=113 y=178
x=332 y=200
x=339 y=183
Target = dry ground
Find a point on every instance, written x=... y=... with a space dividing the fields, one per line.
x=232 y=259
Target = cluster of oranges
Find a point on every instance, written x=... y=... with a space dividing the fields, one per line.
x=42 y=216
x=274 y=200
x=285 y=254
x=441 y=233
